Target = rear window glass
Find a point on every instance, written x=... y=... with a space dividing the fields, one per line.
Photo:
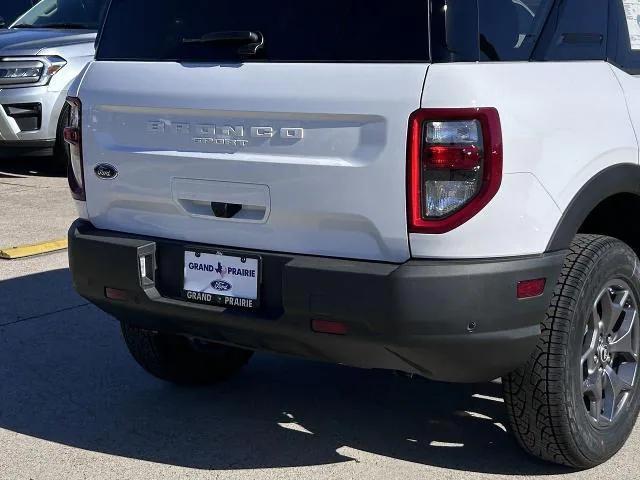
x=486 y=30
x=632 y=14
x=509 y=29
x=293 y=30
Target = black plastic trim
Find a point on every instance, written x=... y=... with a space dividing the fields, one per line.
x=25 y=148
x=28 y=116
x=405 y=317
x=623 y=178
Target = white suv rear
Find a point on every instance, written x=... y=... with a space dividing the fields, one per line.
x=442 y=189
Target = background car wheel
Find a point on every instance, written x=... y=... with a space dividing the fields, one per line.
x=181 y=360
x=576 y=401
x=61 y=149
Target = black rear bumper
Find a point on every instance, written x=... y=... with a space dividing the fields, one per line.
x=413 y=317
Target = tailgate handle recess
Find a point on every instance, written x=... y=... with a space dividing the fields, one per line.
x=222 y=201
x=225 y=210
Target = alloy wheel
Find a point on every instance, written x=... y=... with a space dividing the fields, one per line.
x=610 y=354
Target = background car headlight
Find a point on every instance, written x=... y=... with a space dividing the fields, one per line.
x=28 y=71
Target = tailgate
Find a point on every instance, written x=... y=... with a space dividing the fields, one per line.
x=312 y=155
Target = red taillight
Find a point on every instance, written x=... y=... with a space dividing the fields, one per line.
x=329 y=326
x=454 y=166
x=73 y=137
x=453 y=157
x=531 y=288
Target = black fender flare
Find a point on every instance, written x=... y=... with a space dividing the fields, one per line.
x=621 y=178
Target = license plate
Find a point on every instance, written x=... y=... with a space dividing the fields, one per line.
x=222 y=279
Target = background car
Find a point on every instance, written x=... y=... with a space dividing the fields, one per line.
x=40 y=55
x=9 y=11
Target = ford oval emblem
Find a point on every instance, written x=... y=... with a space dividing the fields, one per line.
x=105 y=171
x=221 y=285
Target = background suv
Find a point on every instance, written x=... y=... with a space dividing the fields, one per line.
x=40 y=55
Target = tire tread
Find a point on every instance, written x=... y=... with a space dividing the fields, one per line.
x=534 y=394
x=174 y=359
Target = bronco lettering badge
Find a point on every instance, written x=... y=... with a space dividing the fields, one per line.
x=225 y=135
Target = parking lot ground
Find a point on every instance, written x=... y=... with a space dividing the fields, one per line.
x=35 y=205
x=74 y=405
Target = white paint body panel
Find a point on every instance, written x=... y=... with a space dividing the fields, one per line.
x=631 y=87
x=562 y=123
x=519 y=221
x=339 y=191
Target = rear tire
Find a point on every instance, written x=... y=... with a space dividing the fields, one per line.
x=574 y=404
x=180 y=360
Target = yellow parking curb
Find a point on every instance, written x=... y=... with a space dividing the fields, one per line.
x=31 y=250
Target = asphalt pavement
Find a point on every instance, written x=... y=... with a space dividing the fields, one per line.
x=73 y=405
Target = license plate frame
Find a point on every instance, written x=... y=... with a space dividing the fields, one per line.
x=229 y=272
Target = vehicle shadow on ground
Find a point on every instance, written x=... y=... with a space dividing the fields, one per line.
x=67 y=378
x=31 y=167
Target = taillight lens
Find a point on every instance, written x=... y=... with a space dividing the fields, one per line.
x=455 y=166
x=73 y=137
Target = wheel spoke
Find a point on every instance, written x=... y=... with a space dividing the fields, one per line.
x=596 y=408
x=597 y=318
x=618 y=384
x=593 y=385
x=623 y=341
x=612 y=308
x=589 y=358
x=593 y=388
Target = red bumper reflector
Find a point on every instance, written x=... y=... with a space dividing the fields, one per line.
x=531 y=288
x=328 y=326
x=115 y=294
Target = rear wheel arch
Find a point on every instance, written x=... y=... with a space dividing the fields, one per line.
x=600 y=208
